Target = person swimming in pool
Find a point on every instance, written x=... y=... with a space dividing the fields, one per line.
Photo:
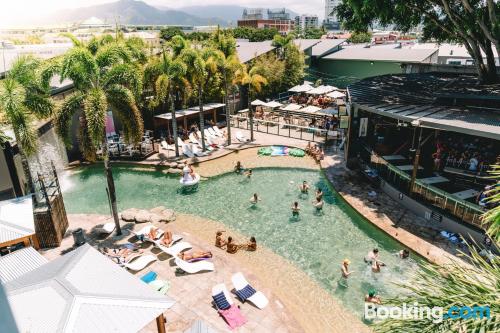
x=372 y=297
x=319 y=193
x=254 y=199
x=344 y=269
x=295 y=209
x=404 y=254
x=238 y=168
x=376 y=266
x=318 y=204
x=249 y=173
x=304 y=187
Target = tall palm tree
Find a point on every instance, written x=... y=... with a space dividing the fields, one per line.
x=253 y=82
x=25 y=94
x=165 y=76
x=105 y=77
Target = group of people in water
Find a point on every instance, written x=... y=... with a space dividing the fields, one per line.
x=372 y=259
x=231 y=246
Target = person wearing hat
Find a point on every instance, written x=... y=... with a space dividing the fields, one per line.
x=372 y=297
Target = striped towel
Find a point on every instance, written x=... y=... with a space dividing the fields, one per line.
x=221 y=301
x=246 y=292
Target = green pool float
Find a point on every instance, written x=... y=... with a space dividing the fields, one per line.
x=296 y=152
x=265 y=151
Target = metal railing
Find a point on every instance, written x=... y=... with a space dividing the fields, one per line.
x=289 y=130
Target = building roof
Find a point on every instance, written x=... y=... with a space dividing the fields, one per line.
x=449 y=102
x=190 y=111
x=250 y=50
x=447 y=49
x=304 y=44
x=325 y=46
x=382 y=54
x=83 y=291
x=19 y=262
x=16 y=219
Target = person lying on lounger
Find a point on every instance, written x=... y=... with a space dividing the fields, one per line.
x=153 y=233
x=123 y=253
x=167 y=239
x=219 y=241
x=195 y=255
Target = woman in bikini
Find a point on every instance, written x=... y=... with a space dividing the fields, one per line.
x=167 y=239
x=219 y=241
x=195 y=255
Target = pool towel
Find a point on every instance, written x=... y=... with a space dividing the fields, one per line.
x=245 y=293
x=149 y=277
x=233 y=317
x=221 y=301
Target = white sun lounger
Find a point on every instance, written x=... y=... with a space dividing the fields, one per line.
x=175 y=249
x=218 y=131
x=221 y=288
x=145 y=231
x=140 y=262
x=194 y=267
x=107 y=228
x=212 y=131
x=186 y=149
x=193 y=140
x=166 y=146
x=197 y=151
x=240 y=137
x=258 y=299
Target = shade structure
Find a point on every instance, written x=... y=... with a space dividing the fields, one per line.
x=301 y=88
x=273 y=104
x=310 y=109
x=82 y=291
x=321 y=90
x=292 y=107
x=329 y=111
x=16 y=220
x=336 y=94
x=258 y=102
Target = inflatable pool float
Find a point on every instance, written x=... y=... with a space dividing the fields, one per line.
x=265 y=151
x=279 y=151
x=190 y=181
x=296 y=152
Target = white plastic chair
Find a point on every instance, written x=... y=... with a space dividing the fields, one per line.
x=140 y=262
x=194 y=267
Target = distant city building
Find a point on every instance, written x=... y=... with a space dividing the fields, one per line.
x=278 y=18
x=331 y=21
x=304 y=22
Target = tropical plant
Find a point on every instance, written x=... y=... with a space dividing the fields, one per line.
x=105 y=76
x=254 y=34
x=360 y=37
x=253 y=83
x=24 y=95
x=168 y=33
x=456 y=284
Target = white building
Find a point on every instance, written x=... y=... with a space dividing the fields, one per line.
x=331 y=21
x=304 y=22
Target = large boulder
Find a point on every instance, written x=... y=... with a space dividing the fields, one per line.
x=174 y=171
x=128 y=215
x=168 y=215
x=158 y=210
x=143 y=216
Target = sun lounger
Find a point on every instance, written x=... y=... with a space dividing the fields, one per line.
x=143 y=233
x=212 y=132
x=193 y=140
x=140 y=262
x=166 y=146
x=194 y=267
x=218 y=131
x=208 y=134
x=186 y=149
x=245 y=291
x=226 y=308
x=197 y=151
x=175 y=249
x=240 y=137
x=107 y=228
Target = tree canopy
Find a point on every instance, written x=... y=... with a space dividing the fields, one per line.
x=473 y=23
x=253 y=34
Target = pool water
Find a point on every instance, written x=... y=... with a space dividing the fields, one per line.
x=316 y=243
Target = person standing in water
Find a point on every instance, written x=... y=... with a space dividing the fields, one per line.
x=295 y=209
x=318 y=204
x=304 y=188
x=345 y=272
x=319 y=193
x=254 y=199
x=404 y=254
x=238 y=168
x=372 y=297
x=249 y=173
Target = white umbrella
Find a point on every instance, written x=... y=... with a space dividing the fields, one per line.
x=273 y=104
x=336 y=94
x=310 y=108
x=292 y=107
x=301 y=88
x=258 y=102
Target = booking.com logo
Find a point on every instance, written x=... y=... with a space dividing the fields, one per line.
x=415 y=312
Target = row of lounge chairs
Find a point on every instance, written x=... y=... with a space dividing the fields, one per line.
x=213 y=140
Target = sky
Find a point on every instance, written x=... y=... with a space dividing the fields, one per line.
x=12 y=9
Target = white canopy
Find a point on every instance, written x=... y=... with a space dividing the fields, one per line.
x=336 y=94
x=301 y=88
x=321 y=90
x=292 y=107
x=258 y=102
x=16 y=219
x=273 y=104
x=310 y=108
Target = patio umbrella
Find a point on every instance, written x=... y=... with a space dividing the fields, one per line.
x=258 y=102
x=336 y=94
x=310 y=109
x=273 y=104
x=292 y=107
x=321 y=90
x=301 y=88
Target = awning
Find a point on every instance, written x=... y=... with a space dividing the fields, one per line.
x=273 y=104
x=310 y=109
x=336 y=94
x=16 y=219
x=258 y=102
x=178 y=114
x=292 y=107
x=301 y=88
x=321 y=90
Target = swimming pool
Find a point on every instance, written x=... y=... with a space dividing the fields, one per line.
x=315 y=243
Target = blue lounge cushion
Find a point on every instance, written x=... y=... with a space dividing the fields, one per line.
x=221 y=301
x=246 y=292
x=148 y=277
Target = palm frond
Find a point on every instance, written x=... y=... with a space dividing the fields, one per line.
x=23 y=69
x=112 y=53
x=124 y=106
x=124 y=74
x=64 y=114
x=76 y=42
x=48 y=70
x=79 y=65
x=41 y=105
x=137 y=47
x=95 y=107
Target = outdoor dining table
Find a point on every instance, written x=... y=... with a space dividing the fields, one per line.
x=466 y=194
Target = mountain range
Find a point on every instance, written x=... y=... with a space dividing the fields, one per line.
x=139 y=12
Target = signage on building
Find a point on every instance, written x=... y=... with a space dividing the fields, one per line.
x=363 y=127
x=344 y=122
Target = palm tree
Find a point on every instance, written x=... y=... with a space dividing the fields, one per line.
x=105 y=77
x=165 y=77
x=253 y=83
x=25 y=94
